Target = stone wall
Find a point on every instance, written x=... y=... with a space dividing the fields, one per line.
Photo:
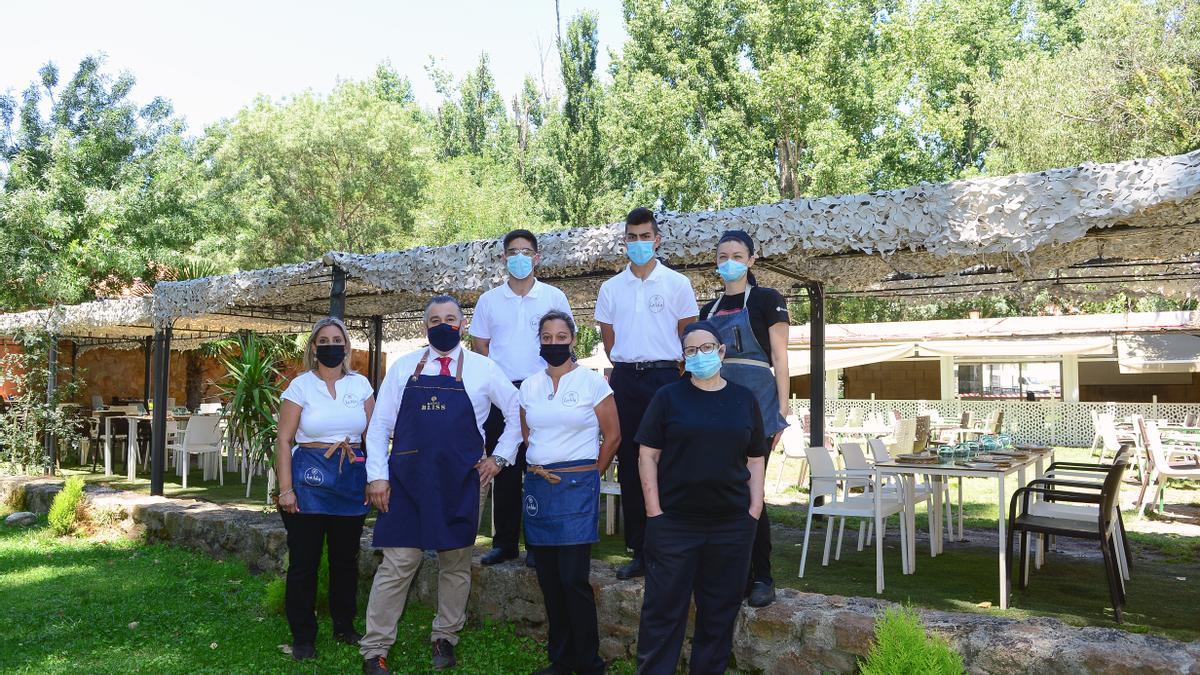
x=800 y=633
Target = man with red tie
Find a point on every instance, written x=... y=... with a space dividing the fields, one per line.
x=432 y=406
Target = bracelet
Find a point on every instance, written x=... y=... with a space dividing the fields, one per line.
x=287 y=492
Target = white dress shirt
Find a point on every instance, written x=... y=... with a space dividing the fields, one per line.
x=645 y=315
x=486 y=385
x=510 y=322
x=563 y=426
x=325 y=418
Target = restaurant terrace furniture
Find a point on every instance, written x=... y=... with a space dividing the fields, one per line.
x=924 y=492
x=995 y=467
x=203 y=438
x=837 y=502
x=1165 y=462
x=1101 y=523
x=793 y=442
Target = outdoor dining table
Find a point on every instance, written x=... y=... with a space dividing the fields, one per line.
x=131 y=440
x=906 y=474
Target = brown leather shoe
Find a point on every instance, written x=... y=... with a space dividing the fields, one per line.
x=443 y=655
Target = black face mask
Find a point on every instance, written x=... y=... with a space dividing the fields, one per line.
x=556 y=355
x=444 y=337
x=331 y=356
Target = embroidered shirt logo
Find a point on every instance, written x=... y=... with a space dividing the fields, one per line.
x=351 y=400
x=313 y=476
x=433 y=405
x=531 y=505
x=657 y=303
x=570 y=398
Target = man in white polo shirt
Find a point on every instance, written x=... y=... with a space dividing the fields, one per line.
x=642 y=312
x=505 y=329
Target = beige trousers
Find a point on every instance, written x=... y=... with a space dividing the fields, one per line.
x=389 y=591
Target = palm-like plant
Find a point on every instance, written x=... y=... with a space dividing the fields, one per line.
x=252 y=387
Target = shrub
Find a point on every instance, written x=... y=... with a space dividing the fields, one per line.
x=902 y=647
x=64 y=510
x=274 y=600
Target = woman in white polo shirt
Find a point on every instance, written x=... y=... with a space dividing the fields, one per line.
x=565 y=409
x=322 y=482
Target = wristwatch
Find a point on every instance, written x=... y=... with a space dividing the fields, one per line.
x=501 y=462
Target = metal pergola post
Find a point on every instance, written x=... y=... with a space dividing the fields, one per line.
x=816 y=370
x=158 y=423
x=377 y=342
x=51 y=386
x=337 y=293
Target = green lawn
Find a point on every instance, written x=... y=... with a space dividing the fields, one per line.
x=81 y=606
x=1162 y=594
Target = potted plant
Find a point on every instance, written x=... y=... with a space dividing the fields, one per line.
x=252 y=387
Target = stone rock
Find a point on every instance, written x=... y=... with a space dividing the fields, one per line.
x=21 y=519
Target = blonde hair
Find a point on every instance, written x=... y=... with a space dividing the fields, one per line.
x=310 y=351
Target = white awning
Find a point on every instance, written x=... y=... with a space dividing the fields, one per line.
x=1002 y=348
x=798 y=359
x=1159 y=353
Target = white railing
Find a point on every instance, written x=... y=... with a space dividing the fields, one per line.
x=1050 y=422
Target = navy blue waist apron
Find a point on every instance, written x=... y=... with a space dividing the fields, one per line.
x=746 y=362
x=435 y=485
x=563 y=513
x=330 y=480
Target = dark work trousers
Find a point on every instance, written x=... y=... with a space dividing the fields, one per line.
x=632 y=391
x=760 y=555
x=563 y=574
x=705 y=557
x=506 y=486
x=307 y=534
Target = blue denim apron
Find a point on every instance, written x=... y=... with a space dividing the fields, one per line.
x=435 y=485
x=335 y=485
x=750 y=367
x=564 y=513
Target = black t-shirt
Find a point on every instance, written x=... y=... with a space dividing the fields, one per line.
x=766 y=306
x=705 y=438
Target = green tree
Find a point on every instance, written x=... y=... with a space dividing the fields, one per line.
x=315 y=173
x=473 y=198
x=99 y=188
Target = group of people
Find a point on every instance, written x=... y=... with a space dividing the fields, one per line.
x=690 y=413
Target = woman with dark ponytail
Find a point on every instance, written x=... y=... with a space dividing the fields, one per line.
x=753 y=322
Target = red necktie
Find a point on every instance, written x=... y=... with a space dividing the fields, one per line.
x=445 y=361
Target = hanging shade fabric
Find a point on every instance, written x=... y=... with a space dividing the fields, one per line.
x=1003 y=348
x=1159 y=353
x=798 y=359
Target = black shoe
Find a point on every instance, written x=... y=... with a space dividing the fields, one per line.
x=634 y=568
x=443 y=655
x=376 y=666
x=762 y=594
x=530 y=559
x=551 y=670
x=304 y=652
x=497 y=555
x=350 y=637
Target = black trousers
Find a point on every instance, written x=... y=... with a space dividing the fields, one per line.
x=506 y=486
x=760 y=554
x=563 y=574
x=632 y=391
x=306 y=537
x=684 y=557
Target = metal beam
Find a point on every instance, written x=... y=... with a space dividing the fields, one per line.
x=816 y=371
x=337 y=293
x=158 y=423
x=51 y=402
x=147 y=349
x=377 y=341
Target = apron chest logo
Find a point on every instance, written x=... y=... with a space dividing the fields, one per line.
x=313 y=476
x=656 y=303
x=433 y=405
x=531 y=505
x=570 y=398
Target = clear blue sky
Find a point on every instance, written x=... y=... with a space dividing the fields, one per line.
x=211 y=58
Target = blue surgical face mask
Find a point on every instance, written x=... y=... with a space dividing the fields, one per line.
x=520 y=265
x=732 y=270
x=640 y=252
x=703 y=365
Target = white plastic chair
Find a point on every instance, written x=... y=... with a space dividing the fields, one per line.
x=201 y=437
x=209 y=409
x=922 y=492
x=855 y=418
x=904 y=437
x=793 y=443
x=840 y=503
x=1164 y=461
